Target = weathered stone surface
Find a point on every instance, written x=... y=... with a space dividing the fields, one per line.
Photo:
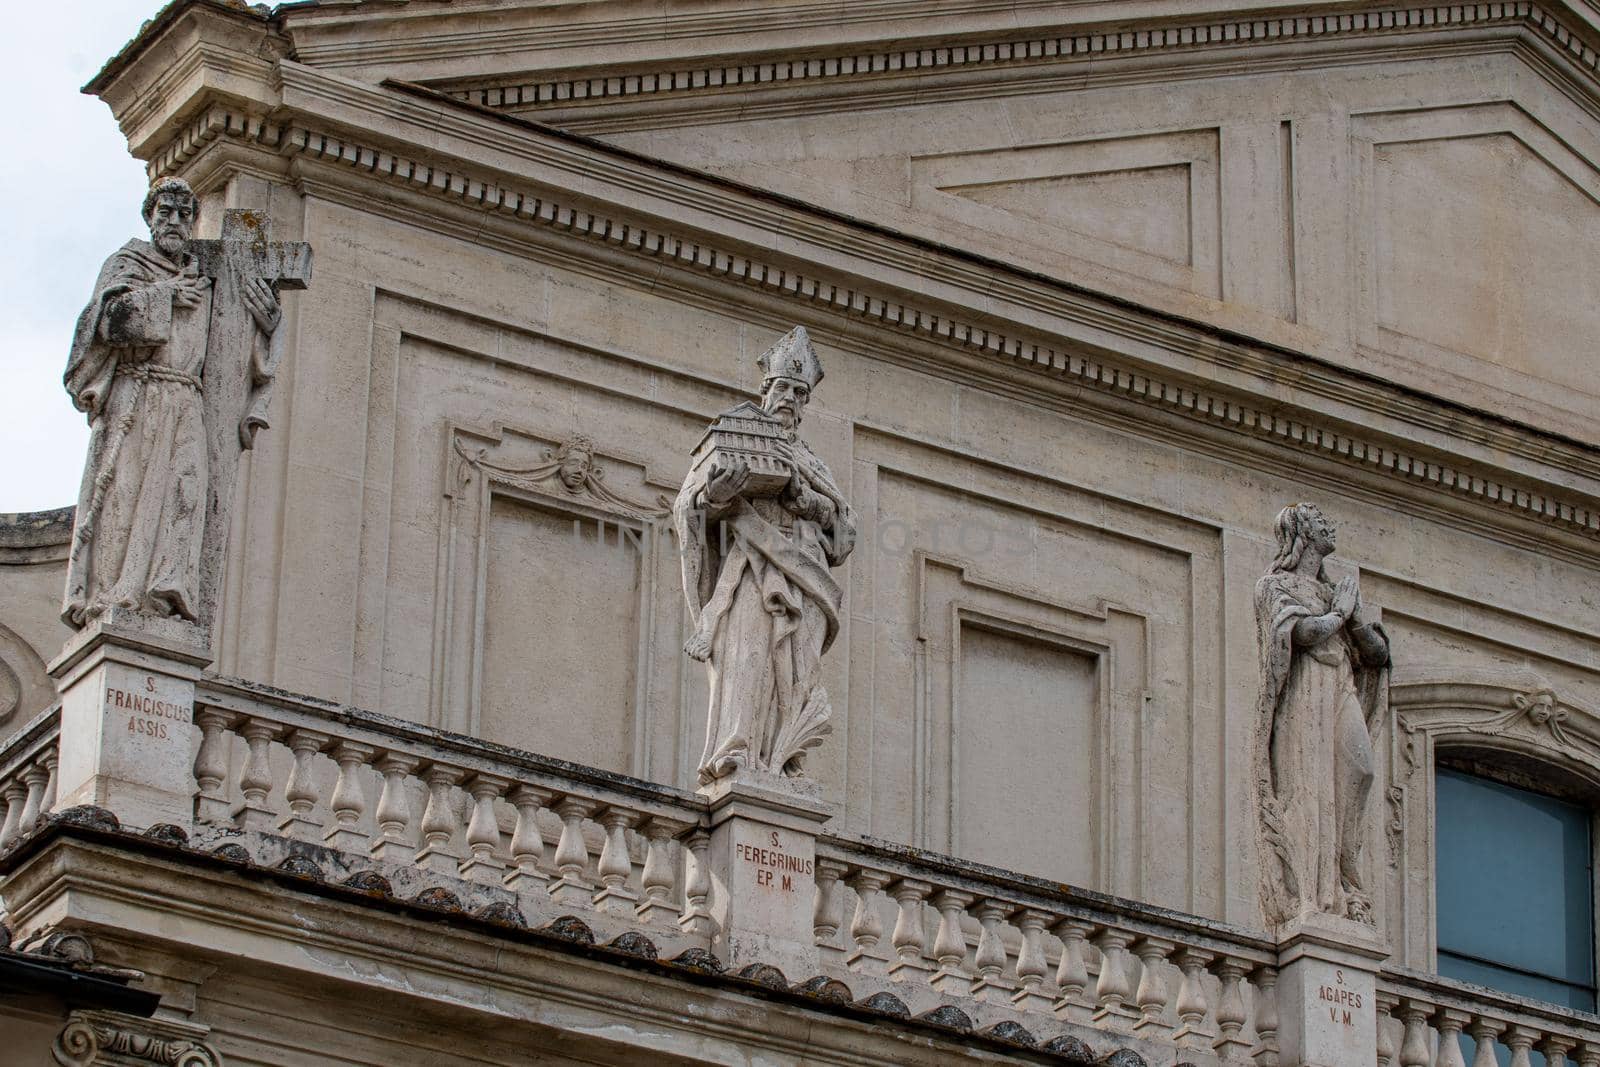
x=886 y=1004
x=1070 y=1049
x=1014 y=1032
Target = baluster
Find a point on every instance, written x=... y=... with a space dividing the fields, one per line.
x=16 y=794
x=393 y=844
x=1229 y=1045
x=36 y=777
x=439 y=822
x=990 y=959
x=1414 y=1047
x=1113 y=989
x=1555 y=1049
x=301 y=791
x=1072 y=974
x=827 y=914
x=527 y=843
x=483 y=830
x=1192 y=1007
x=909 y=937
x=1152 y=993
x=1486 y=1032
x=1266 y=1007
x=696 y=919
x=950 y=944
x=255 y=779
x=572 y=887
x=1385 y=1006
x=614 y=897
x=1448 y=1022
x=1519 y=1039
x=50 y=761
x=211 y=766
x=659 y=877
x=1588 y=1055
x=349 y=800
x=1032 y=970
x=866 y=927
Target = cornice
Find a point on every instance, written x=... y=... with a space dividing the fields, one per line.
x=610 y=95
x=1066 y=338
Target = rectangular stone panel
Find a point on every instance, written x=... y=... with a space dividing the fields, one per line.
x=1024 y=742
x=560 y=640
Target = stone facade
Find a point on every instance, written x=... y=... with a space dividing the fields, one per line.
x=1099 y=289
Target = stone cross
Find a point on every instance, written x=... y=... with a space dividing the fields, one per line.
x=245 y=251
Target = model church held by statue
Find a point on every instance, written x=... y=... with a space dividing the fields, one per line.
x=783 y=532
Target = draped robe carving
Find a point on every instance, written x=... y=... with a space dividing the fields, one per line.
x=756 y=572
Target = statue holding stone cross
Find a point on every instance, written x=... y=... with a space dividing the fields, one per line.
x=173 y=362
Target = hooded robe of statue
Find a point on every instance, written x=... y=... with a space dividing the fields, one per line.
x=1314 y=757
x=756 y=573
x=135 y=369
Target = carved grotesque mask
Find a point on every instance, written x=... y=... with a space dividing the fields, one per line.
x=576 y=458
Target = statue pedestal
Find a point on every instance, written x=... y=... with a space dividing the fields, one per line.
x=762 y=860
x=127 y=718
x=1327 y=1002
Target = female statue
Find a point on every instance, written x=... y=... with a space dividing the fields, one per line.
x=1323 y=672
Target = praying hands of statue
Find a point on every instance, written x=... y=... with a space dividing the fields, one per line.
x=262 y=303
x=1347 y=598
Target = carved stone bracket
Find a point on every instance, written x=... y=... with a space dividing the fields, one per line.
x=93 y=1038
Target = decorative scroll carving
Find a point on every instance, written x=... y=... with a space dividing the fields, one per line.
x=1397 y=821
x=756 y=574
x=91 y=1039
x=568 y=469
x=1324 y=674
x=1517 y=708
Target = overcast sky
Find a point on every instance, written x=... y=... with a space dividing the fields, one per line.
x=73 y=196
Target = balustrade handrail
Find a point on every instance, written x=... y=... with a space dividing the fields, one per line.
x=1064 y=900
x=347 y=723
x=22 y=747
x=1442 y=992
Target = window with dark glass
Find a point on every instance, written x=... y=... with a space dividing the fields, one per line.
x=1515 y=889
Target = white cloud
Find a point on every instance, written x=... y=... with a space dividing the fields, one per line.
x=72 y=197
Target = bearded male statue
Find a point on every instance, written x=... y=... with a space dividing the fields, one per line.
x=760 y=521
x=1324 y=670
x=171 y=361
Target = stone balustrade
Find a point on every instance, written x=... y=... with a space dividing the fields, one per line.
x=422 y=805
x=28 y=775
x=933 y=929
x=1427 y=1021
x=292 y=780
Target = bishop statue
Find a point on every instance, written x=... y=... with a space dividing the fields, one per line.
x=172 y=361
x=761 y=522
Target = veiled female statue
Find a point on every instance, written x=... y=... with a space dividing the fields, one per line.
x=760 y=521
x=1324 y=668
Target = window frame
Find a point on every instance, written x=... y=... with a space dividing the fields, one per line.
x=1509 y=726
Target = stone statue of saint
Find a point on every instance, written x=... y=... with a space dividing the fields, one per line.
x=760 y=521
x=171 y=361
x=1324 y=671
